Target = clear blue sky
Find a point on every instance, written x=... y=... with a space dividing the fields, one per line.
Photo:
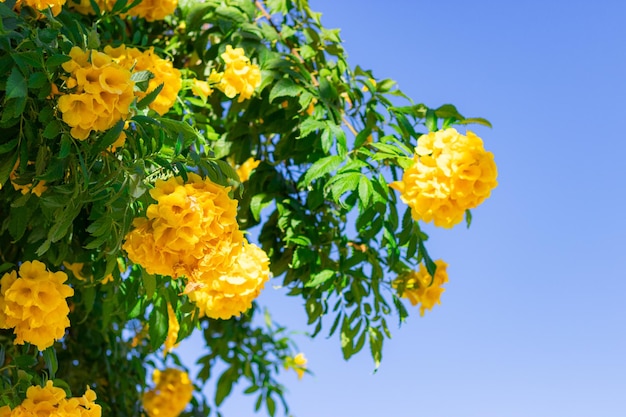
x=533 y=320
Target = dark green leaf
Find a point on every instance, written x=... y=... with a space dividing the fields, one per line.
x=284 y=88
x=16 y=85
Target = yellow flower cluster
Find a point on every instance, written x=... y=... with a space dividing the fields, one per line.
x=162 y=69
x=420 y=288
x=232 y=293
x=191 y=224
x=103 y=92
x=297 y=363
x=40 y=5
x=192 y=231
x=152 y=10
x=52 y=401
x=239 y=76
x=170 y=396
x=34 y=304
x=451 y=173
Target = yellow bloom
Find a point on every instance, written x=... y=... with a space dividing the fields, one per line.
x=232 y=293
x=26 y=188
x=451 y=173
x=152 y=10
x=103 y=92
x=172 y=330
x=162 y=69
x=51 y=401
x=239 y=77
x=201 y=89
x=246 y=168
x=77 y=270
x=170 y=396
x=420 y=288
x=190 y=230
x=34 y=304
x=297 y=363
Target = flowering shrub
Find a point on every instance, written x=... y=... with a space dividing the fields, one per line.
x=173 y=157
x=170 y=396
x=451 y=173
x=33 y=304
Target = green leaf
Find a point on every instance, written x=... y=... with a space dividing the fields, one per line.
x=475 y=120
x=320 y=168
x=224 y=385
x=177 y=126
x=109 y=137
x=320 y=278
x=257 y=203
x=52 y=129
x=16 y=85
x=150 y=97
x=468 y=218
x=365 y=190
x=50 y=358
x=149 y=283
x=158 y=323
x=56 y=60
x=284 y=88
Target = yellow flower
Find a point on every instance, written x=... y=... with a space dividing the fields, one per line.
x=239 y=77
x=152 y=10
x=26 y=188
x=34 y=304
x=420 y=288
x=451 y=173
x=102 y=92
x=201 y=88
x=162 y=69
x=172 y=330
x=51 y=401
x=246 y=168
x=232 y=293
x=170 y=396
x=77 y=270
x=297 y=363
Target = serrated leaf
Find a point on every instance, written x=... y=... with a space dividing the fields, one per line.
x=16 y=85
x=284 y=88
x=320 y=168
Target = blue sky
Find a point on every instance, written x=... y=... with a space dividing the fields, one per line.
x=533 y=320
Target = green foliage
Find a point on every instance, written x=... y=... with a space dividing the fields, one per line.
x=330 y=138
